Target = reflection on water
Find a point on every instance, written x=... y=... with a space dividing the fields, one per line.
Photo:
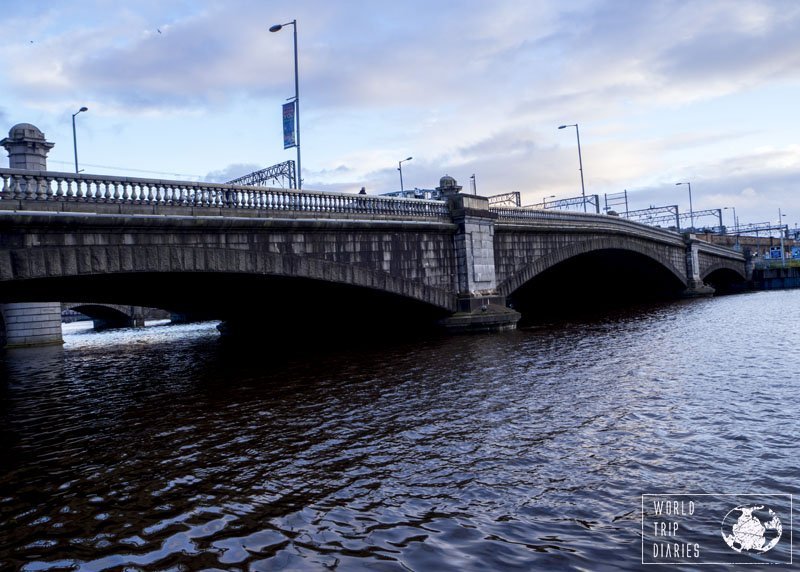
x=167 y=447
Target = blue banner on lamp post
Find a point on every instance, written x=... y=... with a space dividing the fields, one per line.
x=288 y=125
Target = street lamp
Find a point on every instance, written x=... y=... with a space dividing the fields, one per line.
x=735 y=219
x=400 y=168
x=580 y=160
x=691 y=211
x=735 y=225
x=74 y=137
x=277 y=28
x=544 y=200
x=780 y=229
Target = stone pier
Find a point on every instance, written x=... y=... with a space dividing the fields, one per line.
x=695 y=285
x=480 y=307
x=32 y=324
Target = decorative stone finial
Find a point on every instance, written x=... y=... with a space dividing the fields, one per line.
x=448 y=186
x=27 y=148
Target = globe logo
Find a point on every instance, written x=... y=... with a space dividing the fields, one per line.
x=751 y=529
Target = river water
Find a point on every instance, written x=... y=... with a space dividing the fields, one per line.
x=170 y=448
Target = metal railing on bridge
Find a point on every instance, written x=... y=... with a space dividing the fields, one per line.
x=567 y=219
x=754 y=228
x=586 y=203
x=50 y=186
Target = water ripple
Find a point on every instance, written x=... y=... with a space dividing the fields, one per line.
x=167 y=448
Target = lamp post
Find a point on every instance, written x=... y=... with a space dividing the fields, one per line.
x=277 y=28
x=544 y=200
x=735 y=219
x=691 y=210
x=474 y=184
x=735 y=224
x=580 y=160
x=400 y=168
x=75 y=137
x=780 y=229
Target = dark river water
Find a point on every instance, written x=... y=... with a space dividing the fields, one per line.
x=168 y=448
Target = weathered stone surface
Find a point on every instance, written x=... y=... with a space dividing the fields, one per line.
x=28 y=324
x=522 y=254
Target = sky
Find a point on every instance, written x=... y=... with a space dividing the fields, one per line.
x=663 y=91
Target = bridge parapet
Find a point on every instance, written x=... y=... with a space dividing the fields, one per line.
x=719 y=250
x=575 y=222
x=48 y=190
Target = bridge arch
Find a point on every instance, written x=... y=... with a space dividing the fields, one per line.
x=725 y=277
x=559 y=255
x=107 y=315
x=724 y=264
x=102 y=261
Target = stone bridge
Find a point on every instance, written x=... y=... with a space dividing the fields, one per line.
x=107 y=316
x=293 y=261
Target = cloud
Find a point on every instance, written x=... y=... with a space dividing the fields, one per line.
x=552 y=58
x=231 y=172
x=666 y=53
x=757 y=184
x=202 y=58
x=464 y=87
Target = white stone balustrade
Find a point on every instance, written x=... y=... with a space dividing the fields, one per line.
x=25 y=185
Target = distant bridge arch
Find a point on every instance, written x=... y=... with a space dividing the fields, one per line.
x=724 y=264
x=115 y=315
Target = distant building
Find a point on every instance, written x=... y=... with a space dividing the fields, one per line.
x=429 y=194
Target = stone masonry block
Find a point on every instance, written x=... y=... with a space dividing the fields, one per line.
x=99 y=262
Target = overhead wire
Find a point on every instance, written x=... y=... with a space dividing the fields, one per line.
x=130 y=169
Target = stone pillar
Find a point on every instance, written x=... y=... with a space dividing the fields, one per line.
x=27 y=148
x=749 y=264
x=696 y=286
x=39 y=323
x=32 y=324
x=480 y=307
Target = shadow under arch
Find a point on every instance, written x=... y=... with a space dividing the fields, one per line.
x=263 y=306
x=724 y=265
x=101 y=260
x=573 y=250
x=725 y=278
x=105 y=315
x=593 y=281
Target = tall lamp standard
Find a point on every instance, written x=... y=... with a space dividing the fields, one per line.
x=75 y=137
x=400 y=168
x=277 y=28
x=580 y=160
x=735 y=223
x=544 y=201
x=735 y=219
x=780 y=229
x=691 y=210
